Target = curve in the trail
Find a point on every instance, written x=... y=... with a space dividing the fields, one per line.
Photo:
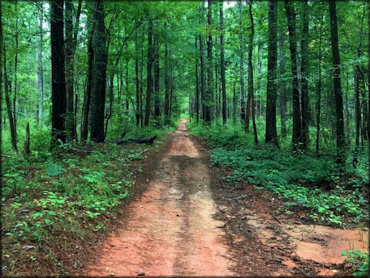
x=170 y=230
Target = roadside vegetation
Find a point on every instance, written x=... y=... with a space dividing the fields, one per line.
x=314 y=187
x=56 y=203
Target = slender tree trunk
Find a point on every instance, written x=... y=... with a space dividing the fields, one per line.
x=234 y=102
x=216 y=96
x=208 y=104
x=137 y=81
x=166 y=83
x=297 y=124
x=259 y=70
x=196 y=81
x=40 y=71
x=87 y=97
x=337 y=83
x=282 y=86
x=141 y=78
x=16 y=37
x=202 y=66
x=58 y=90
x=222 y=54
x=70 y=130
x=318 y=104
x=241 y=55
x=250 y=75
x=357 y=108
x=271 y=135
x=70 y=47
x=304 y=74
x=149 y=73
x=99 y=67
x=13 y=135
x=157 y=111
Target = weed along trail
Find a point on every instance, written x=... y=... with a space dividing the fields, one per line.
x=170 y=229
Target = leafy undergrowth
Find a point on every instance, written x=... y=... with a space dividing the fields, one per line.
x=358 y=261
x=55 y=202
x=309 y=184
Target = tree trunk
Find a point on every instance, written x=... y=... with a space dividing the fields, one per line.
x=58 y=90
x=357 y=107
x=149 y=73
x=241 y=55
x=259 y=71
x=166 y=82
x=234 y=102
x=99 y=67
x=70 y=48
x=40 y=71
x=305 y=74
x=282 y=99
x=250 y=75
x=222 y=54
x=13 y=135
x=297 y=124
x=157 y=111
x=208 y=99
x=87 y=97
x=271 y=135
x=216 y=95
x=202 y=67
x=138 y=98
x=337 y=83
x=196 y=81
x=318 y=104
x=141 y=77
x=16 y=37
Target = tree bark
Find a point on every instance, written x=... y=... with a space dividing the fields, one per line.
x=166 y=82
x=138 y=98
x=208 y=100
x=40 y=71
x=58 y=90
x=305 y=74
x=337 y=83
x=149 y=73
x=271 y=135
x=241 y=55
x=297 y=124
x=282 y=88
x=13 y=135
x=16 y=37
x=222 y=54
x=157 y=111
x=99 y=67
x=70 y=48
x=318 y=104
x=87 y=97
x=196 y=81
x=250 y=75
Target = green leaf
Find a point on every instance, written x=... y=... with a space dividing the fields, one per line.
x=55 y=169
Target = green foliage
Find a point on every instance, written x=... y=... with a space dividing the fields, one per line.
x=72 y=191
x=314 y=184
x=55 y=169
x=359 y=261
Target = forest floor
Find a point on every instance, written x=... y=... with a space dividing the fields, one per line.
x=186 y=221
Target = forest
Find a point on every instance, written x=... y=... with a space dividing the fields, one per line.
x=236 y=128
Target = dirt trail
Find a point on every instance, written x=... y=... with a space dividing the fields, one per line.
x=170 y=230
